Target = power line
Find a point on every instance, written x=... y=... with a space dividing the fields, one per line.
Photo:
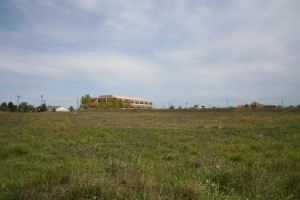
x=8 y=97
x=42 y=97
x=42 y=100
x=61 y=101
x=29 y=98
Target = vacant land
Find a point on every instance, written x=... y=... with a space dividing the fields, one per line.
x=149 y=154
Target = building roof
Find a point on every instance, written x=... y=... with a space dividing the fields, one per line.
x=61 y=109
x=122 y=97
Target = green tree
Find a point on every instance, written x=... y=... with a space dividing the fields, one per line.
x=44 y=107
x=86 y=101
x=4 y=107
x=71 y=109
x=96 y=104
x=102 y=104
x=171 y=107
x=109 y=103
x=11 y=106
x=117 y=103
x=126 y=104
x=23 y=107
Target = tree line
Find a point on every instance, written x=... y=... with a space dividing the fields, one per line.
x=22 y=107
x=109 y=103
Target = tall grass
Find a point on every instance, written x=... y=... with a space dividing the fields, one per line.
x=149 y=154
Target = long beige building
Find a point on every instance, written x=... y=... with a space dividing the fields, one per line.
x=134 y=101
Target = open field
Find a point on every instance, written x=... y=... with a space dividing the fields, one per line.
x=150 y=154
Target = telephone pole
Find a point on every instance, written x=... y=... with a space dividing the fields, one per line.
x=77 y=104
x=42 y=99
x=18 y=103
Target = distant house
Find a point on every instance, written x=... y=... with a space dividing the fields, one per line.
x=62 y=109
x=256 y=105
x=271 y=106
x=242 y=106
x=52 y=108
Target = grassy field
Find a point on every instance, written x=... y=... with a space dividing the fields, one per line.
x=151 y=154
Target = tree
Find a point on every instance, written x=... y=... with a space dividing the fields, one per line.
x=11 y=106
x=4 y=107
x=25 y=107
x=71 y=109
x=117 y=103
x=126 y=104
x=255 y=105
x=108 y=103
x=96 y=104
x=86 y=101
x=30 y=108
x=171 y=107
x=42 y=108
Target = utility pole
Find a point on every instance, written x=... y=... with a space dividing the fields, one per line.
x=42 y=100
x=77 y=104
x=227 y=103
x=18 y=103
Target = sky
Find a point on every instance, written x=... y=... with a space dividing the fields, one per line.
x=173 y=52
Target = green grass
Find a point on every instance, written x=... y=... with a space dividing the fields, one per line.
x=149 y=154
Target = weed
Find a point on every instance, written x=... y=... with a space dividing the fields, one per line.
x=150 y=154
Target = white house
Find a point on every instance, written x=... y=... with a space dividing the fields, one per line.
x=62 y=109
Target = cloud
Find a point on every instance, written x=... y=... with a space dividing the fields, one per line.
x=97 y=65
x=170 y=49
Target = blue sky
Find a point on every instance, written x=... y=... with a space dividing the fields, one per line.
x=172 y=52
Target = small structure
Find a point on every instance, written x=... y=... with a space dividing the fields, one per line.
x=242 y=106
x=256 y=105
x=52 y=108
x=61 y=109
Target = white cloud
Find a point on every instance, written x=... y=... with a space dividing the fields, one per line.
x=168 y=48
x=97 y=65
